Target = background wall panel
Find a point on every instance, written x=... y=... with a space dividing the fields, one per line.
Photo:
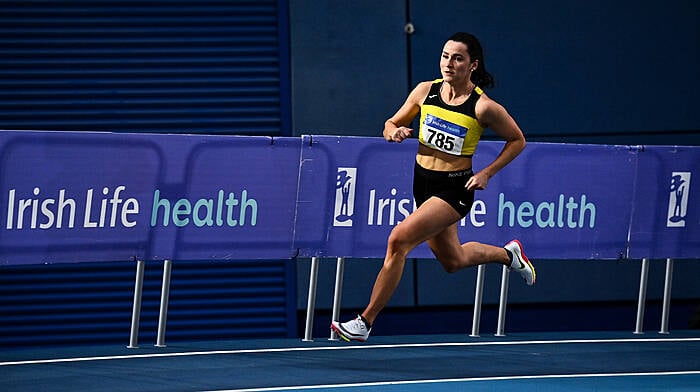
x=91 y=303
x=161 y=66
x=620 y=72
x=348 y=65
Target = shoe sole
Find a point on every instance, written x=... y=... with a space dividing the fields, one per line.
x=532 y=267
x=342 y=335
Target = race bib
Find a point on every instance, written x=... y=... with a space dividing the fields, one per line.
x=443 y=135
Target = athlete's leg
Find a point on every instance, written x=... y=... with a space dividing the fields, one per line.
x=430 y=218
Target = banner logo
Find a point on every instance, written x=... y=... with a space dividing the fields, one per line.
x=345 y=196
x=678 y=199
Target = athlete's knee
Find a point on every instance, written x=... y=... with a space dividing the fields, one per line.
x=398 y=244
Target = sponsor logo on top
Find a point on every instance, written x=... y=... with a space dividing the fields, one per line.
x=678 y=199
x=345 y=196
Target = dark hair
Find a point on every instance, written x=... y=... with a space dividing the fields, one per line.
x=480 y=76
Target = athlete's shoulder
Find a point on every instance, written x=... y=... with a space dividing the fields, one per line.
x=487 y=110
x=486 y=101
x=420 y=92
x=426 y=85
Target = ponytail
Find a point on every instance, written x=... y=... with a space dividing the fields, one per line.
x=481 y=77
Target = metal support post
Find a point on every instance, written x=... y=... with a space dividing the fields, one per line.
x=667 y=296
x=502 y=303
x=478 y=299
x=311 y=303
x=164 y=297
x=338 y=294
x=136 y=312
x=641 y=302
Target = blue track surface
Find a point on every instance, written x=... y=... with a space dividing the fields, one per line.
x=524 y=362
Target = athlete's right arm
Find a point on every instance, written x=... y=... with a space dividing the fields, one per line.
x=395 y=129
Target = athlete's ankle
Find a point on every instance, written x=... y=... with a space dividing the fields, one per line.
x=368 y=324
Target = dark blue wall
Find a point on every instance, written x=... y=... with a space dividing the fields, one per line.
x=177 y=66
x=581 y=69
x=348 y=65
x=91 y=303
x=619 y=72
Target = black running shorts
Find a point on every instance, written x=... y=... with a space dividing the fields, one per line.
x=448 y=186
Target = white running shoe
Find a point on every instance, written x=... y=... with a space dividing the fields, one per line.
x=354 y=329
x=521 y=263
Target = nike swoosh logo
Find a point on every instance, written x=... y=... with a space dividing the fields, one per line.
x=432 y=96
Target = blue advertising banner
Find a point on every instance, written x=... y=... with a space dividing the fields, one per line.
x=236 y=199
x=73 y=197
x=666 y=219
x=562 y=201
x=352 y=192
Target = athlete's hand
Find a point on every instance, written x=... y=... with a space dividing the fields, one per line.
x=477 y=182
x=400 y=134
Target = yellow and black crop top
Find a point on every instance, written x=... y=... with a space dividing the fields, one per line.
x=451 y=129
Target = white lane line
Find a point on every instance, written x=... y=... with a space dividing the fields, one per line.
x=343 y=347
x=452 y=380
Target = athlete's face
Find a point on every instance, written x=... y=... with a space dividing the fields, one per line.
x=455 y=63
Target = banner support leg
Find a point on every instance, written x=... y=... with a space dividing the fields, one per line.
x=136 y=311
x=164 y=298
x=338 y=294
x=667 y=296
x=641 y=301
x=478 y=299
x=505 y=274
x=311 y=302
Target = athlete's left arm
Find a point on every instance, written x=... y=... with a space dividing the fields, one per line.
x=492 y=115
